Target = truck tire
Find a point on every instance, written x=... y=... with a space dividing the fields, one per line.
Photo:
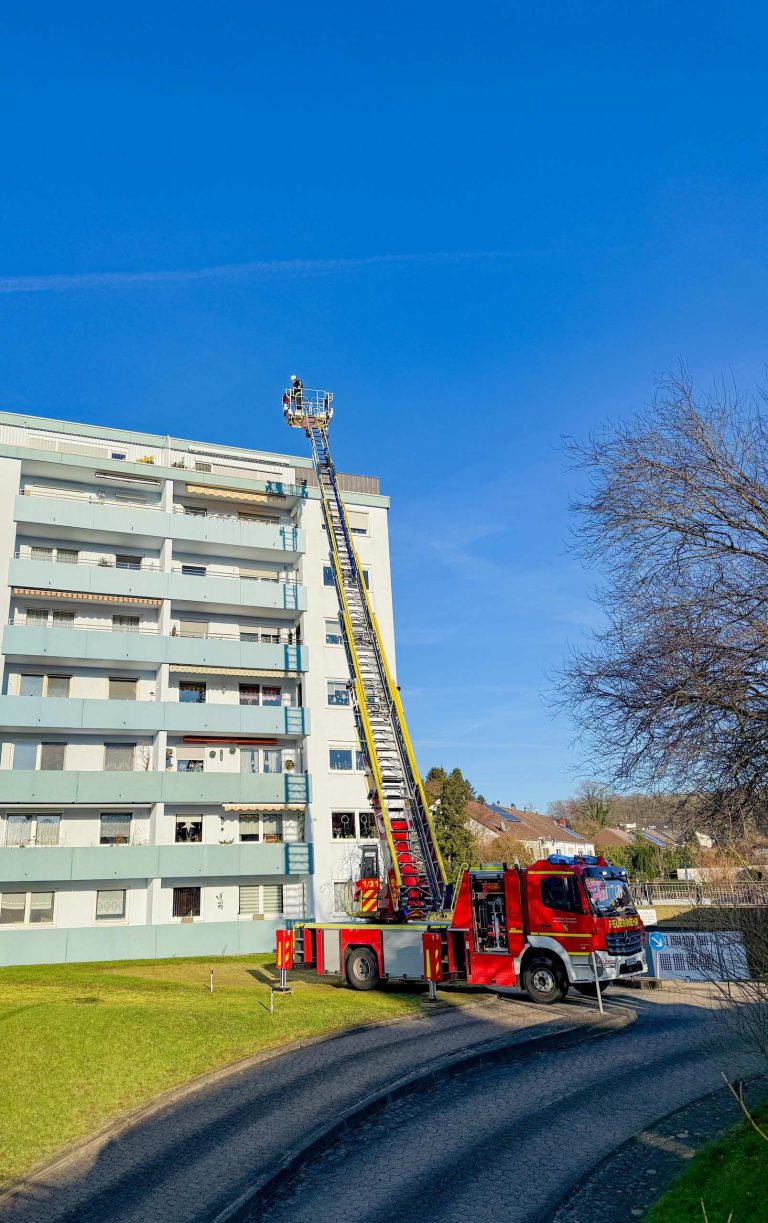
x=362 y=969
x=544 y=979
x=587 y=988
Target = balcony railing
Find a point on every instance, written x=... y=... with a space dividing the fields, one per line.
x=736 y=894
x=103 y=562
x=283 y=637
x=193 y=569
x=91 y=498
x=153 y=630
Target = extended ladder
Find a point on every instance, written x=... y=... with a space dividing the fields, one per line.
x=415 y=871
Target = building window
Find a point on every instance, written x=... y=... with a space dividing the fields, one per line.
x=25 y=756
x=118 y=757
x=13 y=908
x=38 y=553
x=328 y=575
x=110 y=904
x=186 y=902
x=338 y=692
x=249 y=760
x=18 y=830
x=123 y=689
x=44 y=685
x=125 y=560
x=271 y=696
x=191 y=693
x=189 y=830
x=367 y=826
x=192 y=764
x=52 y=756
x=250 y=899
x=39 y=616
x=272 y=899
x=333 y=633
x=196 y=511
x=115 y=828
x=31 y=685
x=34 y=908
x=249 y=694
x=125 y=624
x=258 y=574
x=117 y=454
x=32 y=830
x=193 y=571
x=343 y=825
x=57 y=685
x=249 y=828
x=272 y=760
x=341 y=759
x=63 y=619
x=67 y=556
x=40 y=908
x=272 y=828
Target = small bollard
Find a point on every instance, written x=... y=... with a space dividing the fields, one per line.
x=598 y=990
x=211 y=985
x=431 y=945
x=432 y=994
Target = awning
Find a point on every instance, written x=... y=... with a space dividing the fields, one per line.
x=235 y=494
x=245 y=672
x=282 y=807
x=82 y=596
x=245 y=740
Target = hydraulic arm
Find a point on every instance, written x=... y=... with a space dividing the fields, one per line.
x=416 y=881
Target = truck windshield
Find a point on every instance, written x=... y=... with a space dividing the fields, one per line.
x=608 y=896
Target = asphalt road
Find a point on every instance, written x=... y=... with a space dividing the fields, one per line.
x=509 y=1140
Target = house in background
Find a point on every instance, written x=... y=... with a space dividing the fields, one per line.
x=540 y=835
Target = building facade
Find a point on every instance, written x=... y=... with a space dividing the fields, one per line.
x=179 y=769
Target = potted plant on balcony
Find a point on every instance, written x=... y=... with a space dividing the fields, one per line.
x=289 y=765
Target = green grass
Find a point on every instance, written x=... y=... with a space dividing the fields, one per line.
x=729 y=1177
x=83 y=1042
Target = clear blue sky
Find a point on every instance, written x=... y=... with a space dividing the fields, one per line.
x=576 y=194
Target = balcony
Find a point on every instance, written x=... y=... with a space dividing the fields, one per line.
x=136 y=523
x=23 y=713
x=54 y=864
x=148 y=647
x=215 y=591
x=60 y=788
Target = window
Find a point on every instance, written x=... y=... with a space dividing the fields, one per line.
x=67 y=556
x=186 y=902
x=269 y=636
x=272 y=899
x=338 y=692
x=115 y=828
x=367 y=578
x=25 y=755
x=117 y=454
x=28 y=830
x=110 y=905
x=272 y=760
x=250 y=899
x=189 y=829
x=249 y=634
x=41 y=685
x=39 y=616
x=358 y=522
x=40 y=908
x=561 y=892
x=249 y=694
x=36 y=908
x=58 y=686
x=193 y=628
x=193 y=571
x=190 y=765
x=367 y=825
x=343 y=825
x=341 y=759
x=122 y=689
x=38 y=553
x=196 y=511
x=63 y=619
x=18 y=830
x=31 y=685
x=13 y=908
x=118 y=757
x=328 y=575
x=249 y=760
x=333 y=633
x=272 y=828
x=52 y=756
x=249 y=828
x=47 y=829
x=271 y=696
x=201 y=466
x=260 y=574
x=359 y=761
x=125 y=624
x=125 y=560
x=191 y=693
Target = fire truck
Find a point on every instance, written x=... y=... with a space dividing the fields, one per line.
x=559 y=922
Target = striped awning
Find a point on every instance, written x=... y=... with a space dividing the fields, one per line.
x=178 y=668
x=234 y=494
x=82 y=596
x=253 y=807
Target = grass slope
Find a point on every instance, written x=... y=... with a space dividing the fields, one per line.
x=729 y=1177
x=82 y=1042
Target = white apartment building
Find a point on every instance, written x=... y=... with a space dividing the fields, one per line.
x=179 y=769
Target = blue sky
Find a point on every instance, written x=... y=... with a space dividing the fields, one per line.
x=573 y=196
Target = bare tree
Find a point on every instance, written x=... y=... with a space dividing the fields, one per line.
x=673 y=691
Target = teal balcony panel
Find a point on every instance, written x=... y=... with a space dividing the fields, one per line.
x=265 y=538
x=25 y=713
x=122 y=942
x=152 y=649
x=51 y=787
x=56 y=864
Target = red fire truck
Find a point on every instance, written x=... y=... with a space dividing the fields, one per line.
x=540 y=928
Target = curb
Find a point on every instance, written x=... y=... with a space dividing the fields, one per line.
x=265 y=1187
x=129 y=1117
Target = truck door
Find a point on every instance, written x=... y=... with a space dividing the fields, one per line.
x=557 y=910
x=489 y=957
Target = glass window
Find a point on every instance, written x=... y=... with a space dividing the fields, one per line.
x=117 y=454
x=367 y=825
x=12 y=908
x=191 y=693
x=249 y=694
x=58 y=685
x=52 y=756
x=193 y=628
x=63 y=619
x=118 y=757
x=341 y=759
x=38 y=615
x=272 y=898
x=38 y=553
x=338 y=692
x=249 y=827
x=359 y=761
x=25 y=756
x=272 y=828
x=271 y=696
x=18 y=830
x=196 y=511
x=47 y=830
x=343 y=825
x=125 y=624
x=270 y=636
x=190 y=766
x=122 y=689
x=327 y=575
x=125 y=560
x=40 y=908
x=250 y=898
x=273 y=760
x=186 y=902
x=110 y=904
x=193 y=571
x=561 y=892
x=251 y=635
x=67 y=556
x=189 y=829
x=115 y=828
x=249 y=760
x=31 y=685
x=333 y=632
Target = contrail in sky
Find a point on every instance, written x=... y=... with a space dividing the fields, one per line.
x=262 y=269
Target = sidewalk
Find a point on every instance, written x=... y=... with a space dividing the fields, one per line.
x=191 y=1155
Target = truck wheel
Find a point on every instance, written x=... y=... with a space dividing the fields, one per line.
x=587 y=988
x=362 y=969
x=544 y=980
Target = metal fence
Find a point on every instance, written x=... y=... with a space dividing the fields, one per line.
x=674 y=891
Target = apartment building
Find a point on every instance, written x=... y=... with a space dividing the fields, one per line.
x=179 y=769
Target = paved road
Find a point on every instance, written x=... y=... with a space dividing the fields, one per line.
x=510 y=1139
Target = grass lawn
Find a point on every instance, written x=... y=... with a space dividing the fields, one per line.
x=82 y=1042
x=730 y=1176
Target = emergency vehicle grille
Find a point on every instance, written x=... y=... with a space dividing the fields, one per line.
x=625 y=942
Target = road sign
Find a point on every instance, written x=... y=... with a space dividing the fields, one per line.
x=657 y=941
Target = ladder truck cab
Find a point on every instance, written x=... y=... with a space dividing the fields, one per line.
x=542 y=928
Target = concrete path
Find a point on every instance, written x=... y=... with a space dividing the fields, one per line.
x=509 y=1139
x=188 y=1160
